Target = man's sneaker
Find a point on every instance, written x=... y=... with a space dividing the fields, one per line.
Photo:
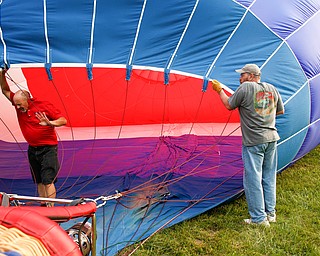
x=271 y=217
x=263 y=223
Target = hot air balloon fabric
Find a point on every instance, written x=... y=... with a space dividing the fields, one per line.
x=132 y=78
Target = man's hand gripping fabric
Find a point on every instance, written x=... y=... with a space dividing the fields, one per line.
x=216 y=86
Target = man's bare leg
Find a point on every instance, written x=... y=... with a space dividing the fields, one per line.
x=48 y=191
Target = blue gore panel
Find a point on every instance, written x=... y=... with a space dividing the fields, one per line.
x=288 y=150
x=115 y=29
x=23 y=34
x=293 y=126
x=63 y=19
x=161 y=36
x=245 y=49
x=277 y=69
x=209 y=29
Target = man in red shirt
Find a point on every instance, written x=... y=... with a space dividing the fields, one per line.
x=37 y=120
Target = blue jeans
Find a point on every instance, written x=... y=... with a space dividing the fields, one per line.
x=259 y=179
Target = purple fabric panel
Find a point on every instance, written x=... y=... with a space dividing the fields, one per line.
x=311 y=141
x=245 y=2
x=312 y=138
x=306 y=46
x=160 y=178
x=118 y=157
x=285 y=16
x=84 y=162
x=315 y=96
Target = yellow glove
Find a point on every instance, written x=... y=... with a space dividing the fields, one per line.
x=216 y=86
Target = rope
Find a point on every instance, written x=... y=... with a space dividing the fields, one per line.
x=12 y=239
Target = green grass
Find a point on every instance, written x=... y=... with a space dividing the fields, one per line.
x=220 y=231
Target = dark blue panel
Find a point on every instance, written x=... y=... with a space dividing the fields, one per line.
x=285 y=16
x=69 y=30
x=115 y=29
x=23 y=34
x=306 y=46
x=161 y=30
x=277 y=69
x=211 y=26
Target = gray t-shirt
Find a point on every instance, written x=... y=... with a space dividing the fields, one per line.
x=258 y=104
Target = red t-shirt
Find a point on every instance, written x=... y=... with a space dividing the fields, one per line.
x=34 y=133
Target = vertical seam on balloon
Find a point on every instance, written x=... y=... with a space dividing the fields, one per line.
x=92 y=30
x=3 y=43
x=137 y=32
x=182 y=35
x=46 y=31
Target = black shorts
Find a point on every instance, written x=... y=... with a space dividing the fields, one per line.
x=44 y=164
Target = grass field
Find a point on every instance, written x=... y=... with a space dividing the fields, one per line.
x=221 y=232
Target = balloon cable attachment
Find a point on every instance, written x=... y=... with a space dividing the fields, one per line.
x=104 y=199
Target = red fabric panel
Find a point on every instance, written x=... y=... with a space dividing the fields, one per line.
x=109 y=99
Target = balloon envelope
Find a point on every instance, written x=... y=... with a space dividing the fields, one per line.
x=132 y=78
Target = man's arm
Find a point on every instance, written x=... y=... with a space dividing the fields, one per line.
x=4 y=85
x=45 y=121
x=223 y=96
x=59 y=122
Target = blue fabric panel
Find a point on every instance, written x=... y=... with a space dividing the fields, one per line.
x=285 y=16
x=287 y=151
x=69 y=30
x=294 y=121
x=277 y=69
x=23 y=34
x=115 y=29
x=245 y=49
x=160 y=35
x=211 y=26
x=307 y=46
